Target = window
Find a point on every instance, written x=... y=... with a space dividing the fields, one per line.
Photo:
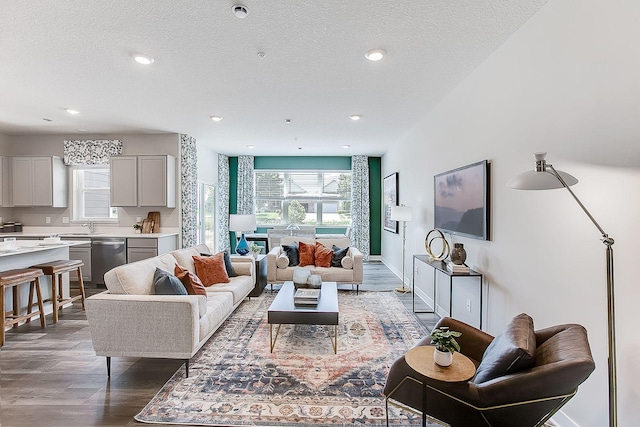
x=303 y=197
x=91 y=195
x=206 y=214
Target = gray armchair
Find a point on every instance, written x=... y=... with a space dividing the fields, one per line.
x=527 y=397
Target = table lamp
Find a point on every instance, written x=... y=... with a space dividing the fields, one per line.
x=242 y=224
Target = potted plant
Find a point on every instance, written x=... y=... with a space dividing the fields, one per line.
x=445 y=344
x=255 y=249
x=137 y=228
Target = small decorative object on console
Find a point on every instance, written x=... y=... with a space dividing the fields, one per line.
x=428 y=242
x=457 y=268
x=300 y=276
x=445 y=344
x=314 y=281
x=458 y=254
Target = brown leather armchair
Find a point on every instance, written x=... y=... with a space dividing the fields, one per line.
x=525 y=398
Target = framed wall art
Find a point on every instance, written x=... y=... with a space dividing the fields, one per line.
x=389 y=198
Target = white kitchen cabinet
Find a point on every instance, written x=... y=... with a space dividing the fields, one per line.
x=143 y=181
x=82 y=253
x=139 y=248
x=123 y=175
x=39 y=181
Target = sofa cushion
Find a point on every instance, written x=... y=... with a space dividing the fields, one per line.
x=338 y=255
x=307 y=254
x=347 y=262
x=239 y=287
x=210 y=269
x=191 y=282
x=323 y=255
x=165 y=283
x=291 y=251
x=282 y=261
x=511 y=351
x=136 y=278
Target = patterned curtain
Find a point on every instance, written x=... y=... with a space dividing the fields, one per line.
x=245 y=185
x=189 y=190
x=90 y=151
x=360 y=237
x=223 y=203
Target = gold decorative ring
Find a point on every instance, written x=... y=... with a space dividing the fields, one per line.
x=444 y=252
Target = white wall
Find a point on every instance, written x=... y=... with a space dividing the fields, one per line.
x=207 y=165
x=567 y=83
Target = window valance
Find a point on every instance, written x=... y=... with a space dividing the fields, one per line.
x=90 y=151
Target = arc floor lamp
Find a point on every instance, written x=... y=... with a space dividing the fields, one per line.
x=546 y=177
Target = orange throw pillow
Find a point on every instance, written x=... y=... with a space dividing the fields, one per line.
x=307 y=254
x=324 y=255
x=190 y=281
x=211 y=269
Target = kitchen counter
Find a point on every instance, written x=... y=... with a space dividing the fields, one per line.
x=33 y=246
x=67 y=235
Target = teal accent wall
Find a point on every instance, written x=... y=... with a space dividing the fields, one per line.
x=319 y=163
x=375 y=208
x=233 y=196
x=302 y=163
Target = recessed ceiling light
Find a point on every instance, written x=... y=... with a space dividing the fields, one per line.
x=355 y=117
x=71 y=111
x=241 y=11
x=346 y=146
x=375 y=54
x=251 y=147
x=216 y=118
x=83 y=130
x=142 y=59
x=46 y=119
x=287 y=121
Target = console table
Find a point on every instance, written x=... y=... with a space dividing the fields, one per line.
x=441 y=267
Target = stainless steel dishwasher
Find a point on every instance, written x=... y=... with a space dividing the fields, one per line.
x=106 y=253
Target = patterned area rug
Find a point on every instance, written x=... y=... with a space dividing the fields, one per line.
x=235 y=381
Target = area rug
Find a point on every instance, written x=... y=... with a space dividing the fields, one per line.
x=234 y=380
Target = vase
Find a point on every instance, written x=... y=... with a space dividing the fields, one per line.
x=243 y=247
x=442 y=358
x=458 y=254
x=300 y=276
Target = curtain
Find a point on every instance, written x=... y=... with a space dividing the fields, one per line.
x=90 y=151
x=360 y=237
x=188 y=191
x=223 y=203
x=245 y=185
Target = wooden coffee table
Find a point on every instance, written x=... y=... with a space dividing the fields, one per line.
x=284 y=311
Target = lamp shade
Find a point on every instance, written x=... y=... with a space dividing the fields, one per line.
x=541 y=178
x=242 y=223
x=401 y=213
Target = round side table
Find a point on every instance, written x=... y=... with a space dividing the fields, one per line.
x=420 y=359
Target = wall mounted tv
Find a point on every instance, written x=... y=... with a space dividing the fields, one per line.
x=461 y=199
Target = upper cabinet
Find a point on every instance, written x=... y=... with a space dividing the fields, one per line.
x=39 y=181
x=143 y=181
x=5 y=181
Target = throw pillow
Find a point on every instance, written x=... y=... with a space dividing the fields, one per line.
x=323 y=255
x=165 y=283
x=511 y=351
x=192 y=284
x=292 y=253
x=338 y=254
x=210 y=269
x=307 y=254
x=282 y=261
x=347 y=262
x=231 y=272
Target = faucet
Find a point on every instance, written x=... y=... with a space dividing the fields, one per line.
x=91 y=226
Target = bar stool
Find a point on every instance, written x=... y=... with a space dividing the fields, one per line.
x=56 y=269
x=14 y=278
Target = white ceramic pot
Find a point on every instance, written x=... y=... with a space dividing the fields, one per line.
x=442 y=358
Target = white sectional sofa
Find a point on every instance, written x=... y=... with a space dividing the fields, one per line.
x=351 y=272
x=129 y=320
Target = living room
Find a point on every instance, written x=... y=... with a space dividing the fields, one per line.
x=564 y=82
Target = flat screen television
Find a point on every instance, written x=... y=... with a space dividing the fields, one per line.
x=461 y=201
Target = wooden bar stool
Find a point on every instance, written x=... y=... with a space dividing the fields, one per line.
x=14 y=278
x=56 y=269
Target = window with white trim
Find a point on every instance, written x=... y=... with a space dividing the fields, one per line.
x=303 y=197
x=91 y=194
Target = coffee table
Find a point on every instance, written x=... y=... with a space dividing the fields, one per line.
x=284 y=311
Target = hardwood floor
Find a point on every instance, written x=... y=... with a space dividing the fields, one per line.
x=52 y=377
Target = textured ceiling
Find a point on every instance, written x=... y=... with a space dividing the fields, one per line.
x=57 y=54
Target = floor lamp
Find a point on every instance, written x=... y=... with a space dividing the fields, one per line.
x=402 y=213
x=546 y=177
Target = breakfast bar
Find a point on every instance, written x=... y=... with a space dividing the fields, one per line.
x=31 y=252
